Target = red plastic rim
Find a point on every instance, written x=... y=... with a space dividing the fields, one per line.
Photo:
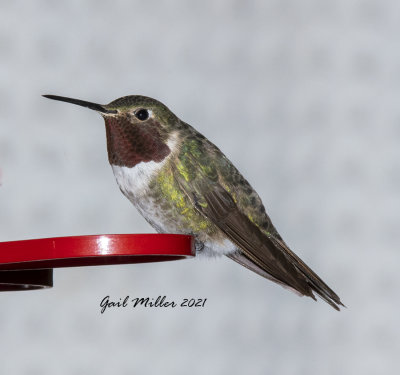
x=28 y=264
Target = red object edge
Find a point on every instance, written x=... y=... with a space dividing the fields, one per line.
x=28 y=264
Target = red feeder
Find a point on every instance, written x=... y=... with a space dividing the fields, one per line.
x=28 y=264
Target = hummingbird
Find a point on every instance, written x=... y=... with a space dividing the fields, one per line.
x=182 y=183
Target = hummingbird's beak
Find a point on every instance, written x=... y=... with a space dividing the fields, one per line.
x=83 y=103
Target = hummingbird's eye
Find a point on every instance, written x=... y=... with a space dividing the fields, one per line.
x=142 y=114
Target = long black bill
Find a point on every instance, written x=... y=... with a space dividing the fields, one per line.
x=83 y=103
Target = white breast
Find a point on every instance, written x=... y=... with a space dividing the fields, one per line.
x=134 y=181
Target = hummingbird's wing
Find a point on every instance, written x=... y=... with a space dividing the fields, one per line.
x=205 y=176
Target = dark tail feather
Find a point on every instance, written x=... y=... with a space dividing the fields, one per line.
x=244 y=261
x=315 y=282
x=312 y=279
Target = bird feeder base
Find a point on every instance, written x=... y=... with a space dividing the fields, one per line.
x=28 y=264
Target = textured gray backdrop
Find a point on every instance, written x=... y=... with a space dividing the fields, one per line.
x=304 y=97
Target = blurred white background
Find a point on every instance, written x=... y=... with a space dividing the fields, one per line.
x=302 y=96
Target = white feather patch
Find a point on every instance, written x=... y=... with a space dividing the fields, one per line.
x=134 y=181
x=218 y=248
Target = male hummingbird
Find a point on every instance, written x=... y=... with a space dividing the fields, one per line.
x=182 y=183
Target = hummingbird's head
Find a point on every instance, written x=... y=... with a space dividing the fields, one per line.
x=138 y=128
